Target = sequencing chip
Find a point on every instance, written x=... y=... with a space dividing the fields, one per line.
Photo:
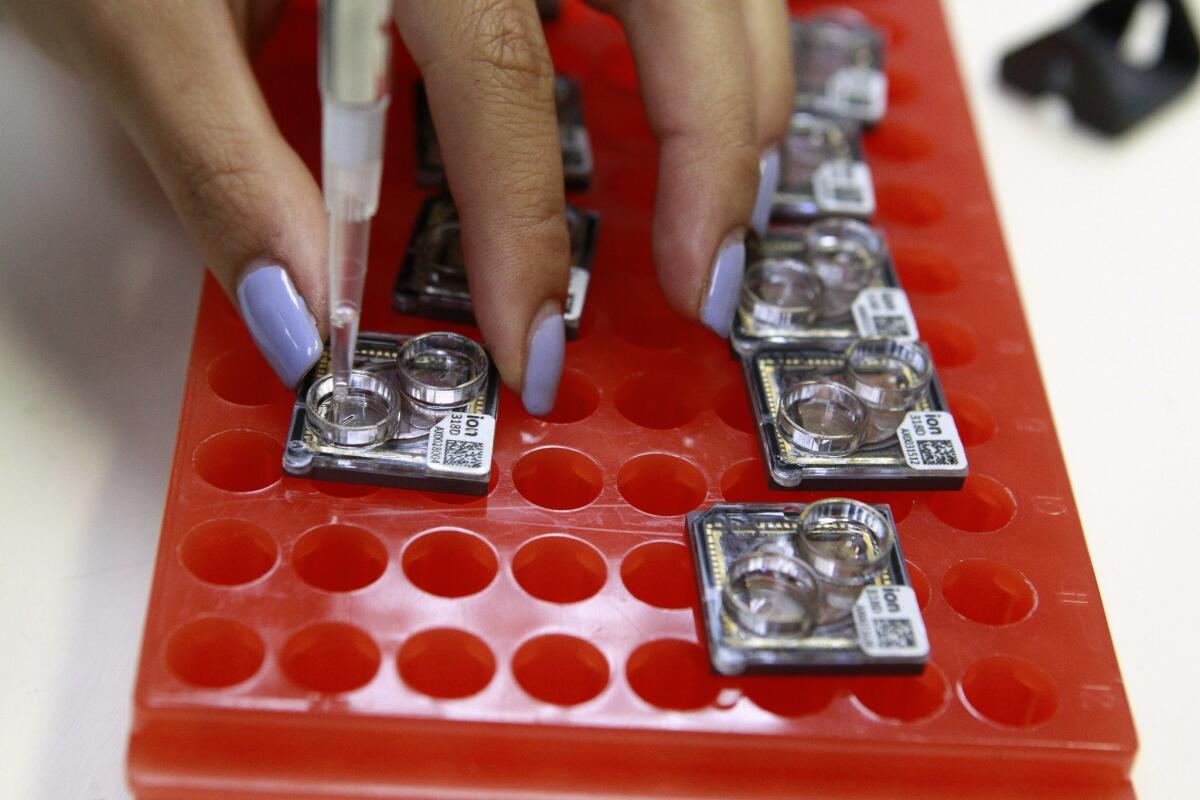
x=838 y=66
x=433 y=276
x=828 y=282
x=870 y=415
x=821 y=170
x=801 y=588
x=425 y=416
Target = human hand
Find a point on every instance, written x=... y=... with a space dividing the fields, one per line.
x=716 y=81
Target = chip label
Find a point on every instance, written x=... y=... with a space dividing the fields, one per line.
x=887 y=623
x=857 y=93
x=884 y=311
x=929 y=440
x=844 y=187
x=577 y=287
x=461 y=443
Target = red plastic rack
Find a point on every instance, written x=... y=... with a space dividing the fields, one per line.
x=313 y=639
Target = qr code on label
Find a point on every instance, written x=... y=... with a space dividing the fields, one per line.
x=465 y=455
x=841 y=186
x=848 y=194
x=891 y=325
x=938 y=452
x=895 y=633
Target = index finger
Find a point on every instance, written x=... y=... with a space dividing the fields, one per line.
x=490 y=82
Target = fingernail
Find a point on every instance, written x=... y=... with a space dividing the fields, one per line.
x=725 y=283
x=768 y=185
x=279 y=321
x=544 y=362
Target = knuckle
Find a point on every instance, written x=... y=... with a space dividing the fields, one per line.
x=220 y=186
x=212 y=187
x=775 y=111
x=522 y=129
x=531 y=210
x=536 y=224
x=723 y=143
x=507 y=39
x=539 y=213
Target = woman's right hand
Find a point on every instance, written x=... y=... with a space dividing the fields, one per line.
x=716 y=81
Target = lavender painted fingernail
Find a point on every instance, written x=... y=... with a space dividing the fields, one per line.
x=279 y=321
x=721 y=300
x=544 y=361
x=768 y=185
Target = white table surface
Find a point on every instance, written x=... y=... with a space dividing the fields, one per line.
x=98 y=289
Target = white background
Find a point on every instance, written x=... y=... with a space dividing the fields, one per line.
x=98 y=290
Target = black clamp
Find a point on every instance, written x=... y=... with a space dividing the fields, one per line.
x=1083 y=63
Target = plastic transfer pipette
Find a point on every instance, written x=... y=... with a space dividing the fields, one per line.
x=355 y=49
